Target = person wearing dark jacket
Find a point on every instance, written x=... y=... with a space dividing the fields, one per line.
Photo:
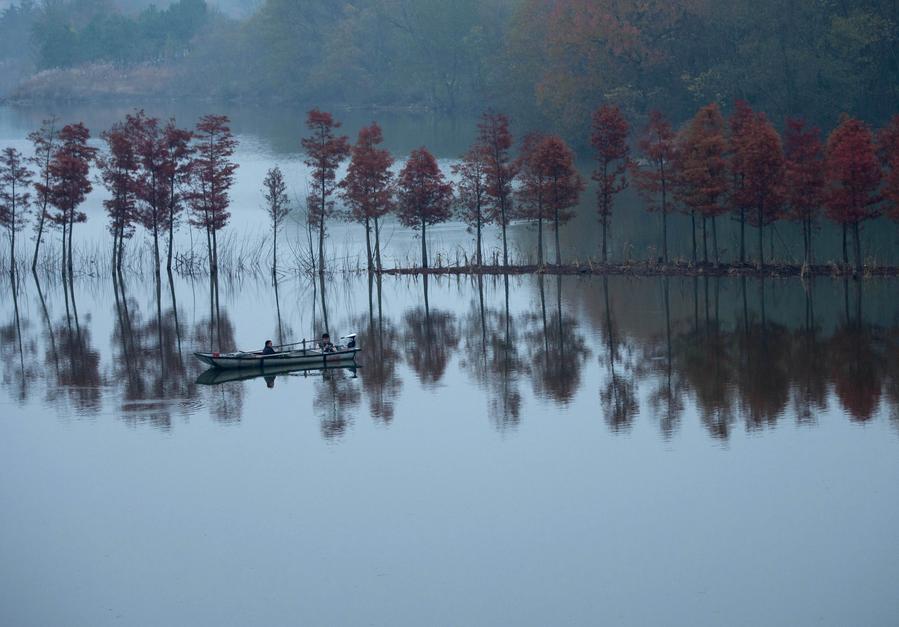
x=268 y=350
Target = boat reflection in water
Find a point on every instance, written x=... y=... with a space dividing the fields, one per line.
x=217 y=376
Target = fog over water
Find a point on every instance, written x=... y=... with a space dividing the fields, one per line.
x=524 y=450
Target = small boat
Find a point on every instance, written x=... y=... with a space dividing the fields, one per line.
x=307 y=354
x=217 y=376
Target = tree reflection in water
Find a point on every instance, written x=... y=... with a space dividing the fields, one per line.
x=429 y=339
x=12 y=348
x=618 y=395
x=556 y=350
x=147 y=358
x=379 y=360
x=666 y=398
x=714 y=344
x=336 y=397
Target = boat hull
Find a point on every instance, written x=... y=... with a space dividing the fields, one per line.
x=255 y=361
x=218 y=376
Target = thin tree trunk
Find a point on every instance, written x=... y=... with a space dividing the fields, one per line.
x=478 y=253
x=693 y=231
x=63 y=260
x=715 y=239
x=664 y=234
x=558 y=246
x=40 y=235
x=215 y=255
x=424 y=245
x=742 y=235
x=368 y=244
x=378 y=244
x=505 y=246
x=857 y=241
x=71 y=229
x=605 y=238
x=761 y=245
x=845 y=250
x=168 y=265
x=540 y=241
x=156 y=246
x=705 y=242
x=321 y=242
x=275 y=254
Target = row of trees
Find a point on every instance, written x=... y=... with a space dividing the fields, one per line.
x=153 y=171
x=743 y=166
x=712 y=167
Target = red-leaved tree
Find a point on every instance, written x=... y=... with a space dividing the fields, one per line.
x=532 y=187
x=563 y=185
x=740 y=123
x=609 y=140
x=471 y=190
x=763 y=167
x=15 y=197
x=702 y=172
x=888 y=147
x=424 y=196
x=70 y=183
x=803 y=178
x=853 y=176
x=368 y=187
x=44 y=141
x=324 y=153
x=212 y=175
x=178 y=163
x=495 y=140
x=655 y=180
x=119 y=172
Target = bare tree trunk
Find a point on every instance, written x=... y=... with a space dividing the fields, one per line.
x=761 y=242
x=558 y=246
x=168 y=265
x=705 y=242
x=478 y=253
x=693 y=231
x=71 y=228
x=845 y=249
x=540 y=241
x=505 y=247
x=424 y=245
x=857 y=241
x=378 y=244
x=368 y=244
x=742 y=235
x=63 y=260
x=40 y=235
x=715 y=239
x=215 y=255
x=664 y=234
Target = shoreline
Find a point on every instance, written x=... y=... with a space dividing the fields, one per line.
x=649 y=269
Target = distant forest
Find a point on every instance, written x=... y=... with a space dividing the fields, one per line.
x=545 y=61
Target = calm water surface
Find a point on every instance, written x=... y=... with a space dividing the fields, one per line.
x=581 y=451
x=529 y=451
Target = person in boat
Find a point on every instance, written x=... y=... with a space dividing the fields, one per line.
x=325 y=345
x=269 y=349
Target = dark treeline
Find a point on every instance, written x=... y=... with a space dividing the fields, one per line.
x=542 y=60
x=741 y=167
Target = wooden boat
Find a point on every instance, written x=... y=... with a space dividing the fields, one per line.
x=217 y=376
x=308 y=354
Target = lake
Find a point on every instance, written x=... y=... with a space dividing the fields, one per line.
x=524 y=450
